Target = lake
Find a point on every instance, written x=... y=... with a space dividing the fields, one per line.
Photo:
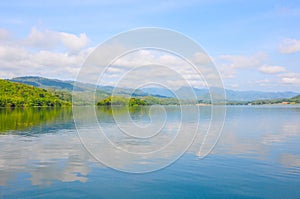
x=256 y=156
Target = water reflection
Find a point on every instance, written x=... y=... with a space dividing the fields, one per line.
x=21 y=120
x=290 y=160
x=51 y=149
x=46 y=158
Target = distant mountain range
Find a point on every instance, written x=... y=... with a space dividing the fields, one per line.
x=56 y=84
x=202 y=94
x=42 y=82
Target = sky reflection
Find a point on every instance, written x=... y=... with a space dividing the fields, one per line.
x=60 y=156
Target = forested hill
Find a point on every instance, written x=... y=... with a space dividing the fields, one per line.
x=20 y=95
x=105 y=91
x=296 y=99
x=42 y=82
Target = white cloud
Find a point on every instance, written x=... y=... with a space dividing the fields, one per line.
x=19 y=61
x=4 y=35
x=229 y=63
x=44 y=53
x=201 y=58
x=12 y=53
x=242 y=61
x=271 y=69
x=288 y=46
x=227 y=72
x=290 y=78
x=114 y=70
x=42 y=39
x=73 y=42
x=48 y=58
x=159 y=66
x=48 y=39
x=263 y=82
x=58 y=54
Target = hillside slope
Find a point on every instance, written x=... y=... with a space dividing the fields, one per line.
x=20 y=95
x=56 y=84
x=295 y=99
x=42 y=82
x=105 y=91
x=231 y=95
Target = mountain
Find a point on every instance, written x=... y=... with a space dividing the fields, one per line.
x=44 y=82
x=295 y=99
x=123 y=91
x=56 y=84
x=105 y=91
x=231 y=95
x=14 y=94
x=257 y=95
x=158 y=91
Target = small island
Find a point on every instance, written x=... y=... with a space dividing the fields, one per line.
x=132 y=101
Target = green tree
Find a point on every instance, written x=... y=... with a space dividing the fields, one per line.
x=20 y=95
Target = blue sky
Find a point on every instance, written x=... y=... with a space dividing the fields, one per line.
x=255 y=44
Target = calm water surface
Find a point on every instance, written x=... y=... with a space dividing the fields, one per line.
x=257 y=156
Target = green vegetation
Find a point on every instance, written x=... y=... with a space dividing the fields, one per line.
x=148 y=100
x=293 y=100
x=112 y=101
x=62 y=94
x=37 y=91
x=121 y=101
x=44 y=82
x=21 y=95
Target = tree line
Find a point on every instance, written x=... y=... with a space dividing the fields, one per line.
x=132 y=101
x=20 y=95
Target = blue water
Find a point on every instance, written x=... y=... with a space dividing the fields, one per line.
x=257 y=156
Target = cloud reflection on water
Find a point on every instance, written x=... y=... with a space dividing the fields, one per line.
x=60 y=156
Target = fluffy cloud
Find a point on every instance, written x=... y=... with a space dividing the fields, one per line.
x=229 y=63
x=48 y=39
x=201 y=58
x=241 y=61
x=4 y=35
x=74 y=42
x=288 y=46
x=227 y=72
x=12 y=53
x=290 y=78
x=271 y=69
x=16 y=61
x=44 y=53
x=158 y=66
x=263 y=82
